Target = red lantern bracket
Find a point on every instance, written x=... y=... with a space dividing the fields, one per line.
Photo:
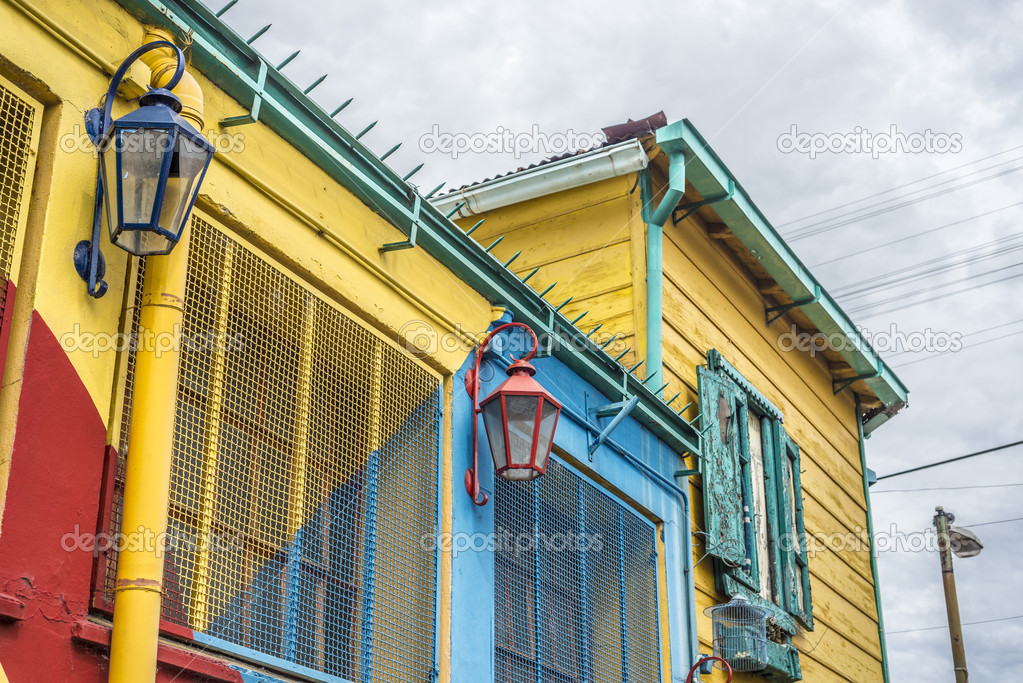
x=472 y=387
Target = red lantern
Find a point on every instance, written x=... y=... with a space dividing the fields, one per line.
x=520 y=417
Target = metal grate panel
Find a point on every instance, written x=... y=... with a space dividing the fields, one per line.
x=18 y=130
x=576 y=592
x=304 y=477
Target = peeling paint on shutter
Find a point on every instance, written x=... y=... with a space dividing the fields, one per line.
x=722 y=469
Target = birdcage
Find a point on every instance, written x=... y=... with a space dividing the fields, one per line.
x=740 y=634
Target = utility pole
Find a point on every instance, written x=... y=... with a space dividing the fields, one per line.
x=941 y=521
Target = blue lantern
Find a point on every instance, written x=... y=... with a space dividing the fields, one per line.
x=151 y=165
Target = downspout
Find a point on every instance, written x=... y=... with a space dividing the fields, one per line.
x=873 y=548
x=671 y=142
x=136 y=629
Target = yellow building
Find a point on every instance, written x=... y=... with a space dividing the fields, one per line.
x=735 y=318
x=243 y=460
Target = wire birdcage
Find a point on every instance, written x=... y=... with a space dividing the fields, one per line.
x=740 y=634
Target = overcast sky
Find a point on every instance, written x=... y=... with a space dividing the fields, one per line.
x=744 y=73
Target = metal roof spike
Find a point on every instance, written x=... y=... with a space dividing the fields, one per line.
x=366 y=130
x=225 y=8
x=315 y=83
x=509 y=261
x=562 y=304
x=257 y=34
x=590 y=333
x=494 y=244
x=549 y=288
x=412 y=172
x=672 y=399
x=622 y=354
x=473 y=228
x=289 y=58
x=390 y=152
x=633 y=368
x=343 y=105
x=581 y=316
x=455 y=210
x=531 y=274
x=435 y=190
x=608 y=342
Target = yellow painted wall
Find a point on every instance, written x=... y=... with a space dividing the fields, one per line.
x=583 y=240
x=592 y=241
x=257 y=186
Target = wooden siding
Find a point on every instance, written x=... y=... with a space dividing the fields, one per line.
x=591 y=240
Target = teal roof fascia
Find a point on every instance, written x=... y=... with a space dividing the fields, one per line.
x=709 y=176
x=228 y=61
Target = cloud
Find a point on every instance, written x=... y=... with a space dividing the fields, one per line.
x=745 y=72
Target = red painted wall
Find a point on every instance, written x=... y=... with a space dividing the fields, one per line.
x=56 y=476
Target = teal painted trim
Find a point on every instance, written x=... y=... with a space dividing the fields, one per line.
x=717 y=363
x=873 y=548
x=223 y=56
x=709 y=175
x=655 y=218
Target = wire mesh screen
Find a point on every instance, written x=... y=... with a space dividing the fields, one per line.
x=17 y=120
x=576 y=593
x=304 y=477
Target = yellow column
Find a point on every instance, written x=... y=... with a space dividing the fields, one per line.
x=150 y=440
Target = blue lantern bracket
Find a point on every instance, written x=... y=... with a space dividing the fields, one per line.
x=88 y=259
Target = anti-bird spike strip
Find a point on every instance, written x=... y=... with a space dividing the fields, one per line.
x=257 y=34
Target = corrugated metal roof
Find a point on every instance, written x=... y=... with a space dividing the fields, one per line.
x=612 y=135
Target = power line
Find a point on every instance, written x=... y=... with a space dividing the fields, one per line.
x=965 y=623
x=917 y=234
x=949 y=488
x=931 y=267
x=824 y=226
x=898 y=187
x=945 y=353
x=1000 y=521
x=971 y=334
x=955 y=459
x=939 y=296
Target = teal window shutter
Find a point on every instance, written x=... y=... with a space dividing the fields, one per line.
x=795 y=567
x=723 y=470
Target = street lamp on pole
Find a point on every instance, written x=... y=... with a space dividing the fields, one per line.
x=963 y=543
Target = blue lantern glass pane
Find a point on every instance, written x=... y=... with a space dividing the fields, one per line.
x=111 y=190
x=182 y=183
x=142 y=153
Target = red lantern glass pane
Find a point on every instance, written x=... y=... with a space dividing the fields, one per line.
x=548 y=421
x=520 y=412
x=493 y=420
